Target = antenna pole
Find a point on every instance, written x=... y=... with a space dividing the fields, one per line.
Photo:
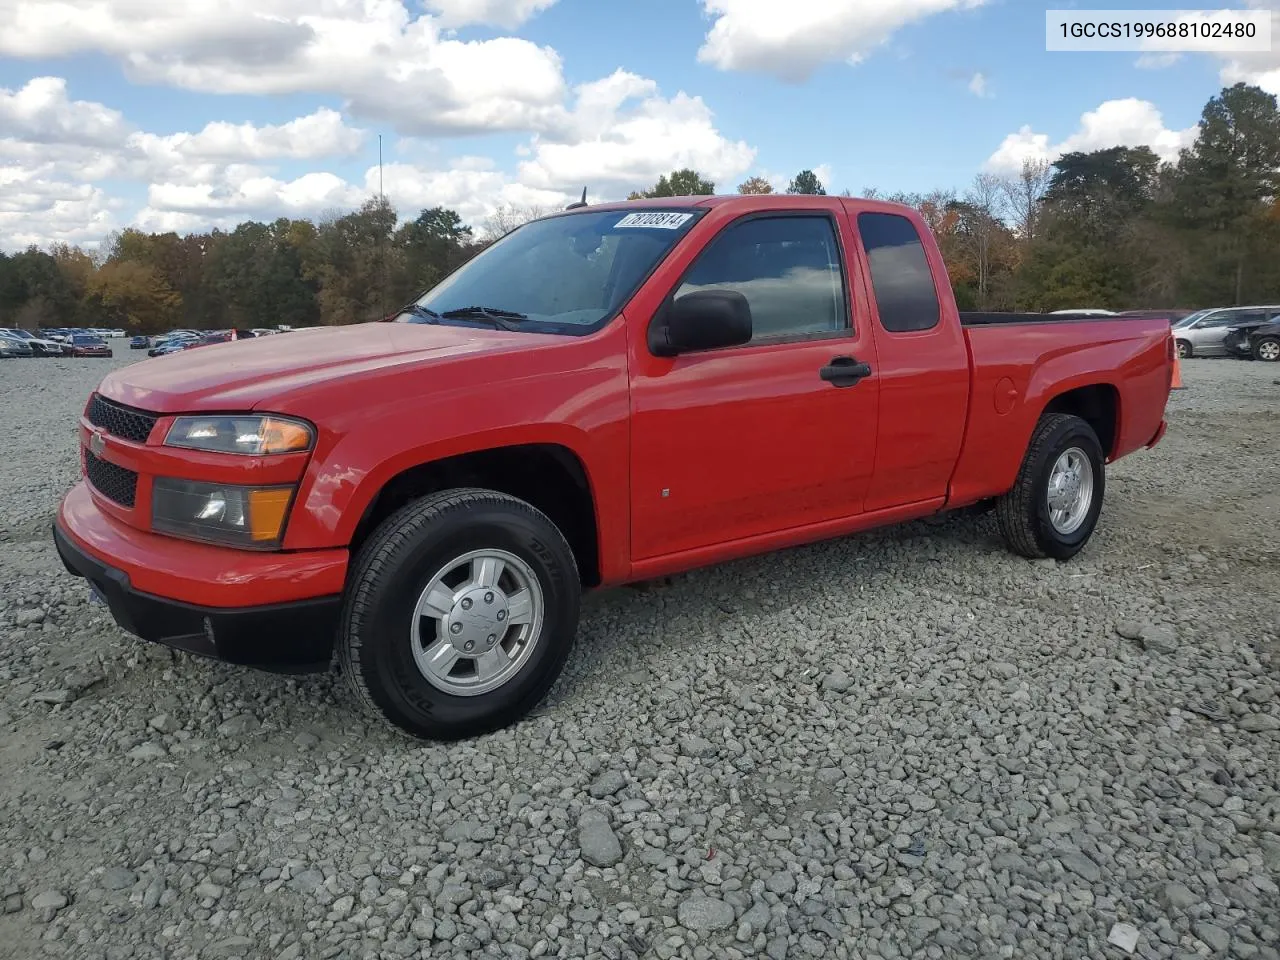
x=380 y=195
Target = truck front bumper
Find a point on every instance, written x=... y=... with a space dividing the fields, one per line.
x=203 y=599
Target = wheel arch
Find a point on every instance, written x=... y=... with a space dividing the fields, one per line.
x=549 y=476
x=1097 y=404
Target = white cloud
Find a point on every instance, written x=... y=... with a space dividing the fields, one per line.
x=384 y=62
x=622 y=134
x=319 y=134
x=790 y=40
x=618 y=134
x=1157 y=61
x=1116 y=123
x=40 y=112
x=980 y=86
x=507 y=14
x=1260 y=69
x=37 y=209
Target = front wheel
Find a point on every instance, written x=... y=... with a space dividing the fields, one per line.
x=1055 y=503
x=1184 y=349
x=460 y=613
x=1268 y=349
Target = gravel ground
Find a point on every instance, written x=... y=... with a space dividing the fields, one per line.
x=903 y=744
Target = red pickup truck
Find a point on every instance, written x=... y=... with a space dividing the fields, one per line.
x=605 y=395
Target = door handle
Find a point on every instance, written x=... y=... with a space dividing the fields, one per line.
x=845 y=371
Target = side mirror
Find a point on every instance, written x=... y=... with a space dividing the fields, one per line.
x=702 y=320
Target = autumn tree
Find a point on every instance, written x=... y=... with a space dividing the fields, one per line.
x=806 y=181
x=134 y=295
x=756 y=186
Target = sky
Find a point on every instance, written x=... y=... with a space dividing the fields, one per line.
x=187 y=115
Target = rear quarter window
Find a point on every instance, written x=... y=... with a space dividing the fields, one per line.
x=900 y=276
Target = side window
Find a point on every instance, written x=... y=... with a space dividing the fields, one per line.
x=900 y=274
x=789 y=270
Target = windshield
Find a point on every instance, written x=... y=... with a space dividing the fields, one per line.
x=87 y=340
x=564 y=274
x=1191 y=318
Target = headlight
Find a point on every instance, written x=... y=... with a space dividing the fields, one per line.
x=250 y=435
x=237 y=516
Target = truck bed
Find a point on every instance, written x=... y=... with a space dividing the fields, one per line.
x=1021 y=361
x=978 y=318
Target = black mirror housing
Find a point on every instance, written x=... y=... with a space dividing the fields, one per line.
x=702 y=320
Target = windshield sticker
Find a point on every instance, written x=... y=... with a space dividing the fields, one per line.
x=654 y=221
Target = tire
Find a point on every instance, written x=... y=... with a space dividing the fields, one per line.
x=389 y=578
x=1184 y=349
x=1023 y=514
x=1267 y=349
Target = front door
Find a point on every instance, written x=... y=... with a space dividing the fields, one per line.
x=732 y=443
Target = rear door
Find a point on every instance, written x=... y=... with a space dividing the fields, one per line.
x=734 y=443
x=923 y=359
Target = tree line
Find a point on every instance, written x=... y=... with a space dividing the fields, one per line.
x=1115 y=228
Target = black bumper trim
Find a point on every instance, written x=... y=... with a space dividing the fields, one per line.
x=284 y=637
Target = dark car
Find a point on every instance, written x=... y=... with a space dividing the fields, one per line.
x=165 y=347
x=139 y=343
x=88 y=345
x=1255 y=338
x=1258 y=341
x=216 y=336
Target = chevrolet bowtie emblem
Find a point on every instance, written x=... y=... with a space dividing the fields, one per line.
x=97 y=443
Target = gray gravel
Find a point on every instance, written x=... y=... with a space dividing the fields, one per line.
x=904 y=744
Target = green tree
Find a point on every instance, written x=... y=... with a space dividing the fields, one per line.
x=1226 y=181
x=431 y=247
x=807 y=182
x=254 y=277
x=679 y=183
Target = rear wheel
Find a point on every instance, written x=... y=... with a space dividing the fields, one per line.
x=1268 y=349
x=460 y=614
x=1184 y=349
x=1055 y=503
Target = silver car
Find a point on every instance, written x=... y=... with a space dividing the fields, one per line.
x=11 y=346
x=1202 y=334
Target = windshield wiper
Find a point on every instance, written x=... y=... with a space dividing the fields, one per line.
x=428 y=316
x=502 y=319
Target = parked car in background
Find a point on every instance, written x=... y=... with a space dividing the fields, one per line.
x=89 y=345
x=166 y=347
x=12 y=348
x=214 y=336
x=1256 y=341
x=1084 y=312
x=170 y=342
x=40 y=346
x=139 y=343
x=1204 y=334
x=1173 y=316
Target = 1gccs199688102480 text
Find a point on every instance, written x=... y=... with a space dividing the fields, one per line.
x=1222 y=31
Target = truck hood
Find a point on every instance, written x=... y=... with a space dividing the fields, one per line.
x=247 y=374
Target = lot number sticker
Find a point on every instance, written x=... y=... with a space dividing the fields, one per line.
x=654 y=221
